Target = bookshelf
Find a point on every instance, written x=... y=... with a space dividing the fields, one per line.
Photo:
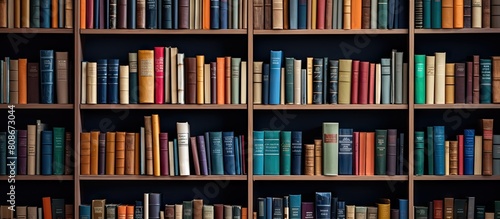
x=254 y=45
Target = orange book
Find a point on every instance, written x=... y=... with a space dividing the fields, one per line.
x=110 y=153
x=47 y=207
x=447 y=14
x=23 y=81
x=458 y=13
x=200 y=92
x=85 y=153
x=146 y=76
x=221 y=80
x=206 y=14
x=129 y=212
x=94 y=152
x=54 y=14
x=83 y=14
x=228 y=80
x=356 y=8
x=362 y=153
x=155 y=123
x=370 y=154
x=122 y=211
x=244 y=213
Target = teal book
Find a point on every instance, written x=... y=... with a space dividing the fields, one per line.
x=3 y=153
x=430 y=150
x=271 y=152
x=383 y=10
x=295 y=206
x=480 y=212
x=485 y=81
x=237 y=155
x=419 y=153
x=380 y=152
x=258 y=152
x=435 y=14
x=386 y=81
x=58 y=151
x=285 y=153
x=427 y=14
x=289 y=80
x=187 y=209
x=176 y=158
x=419 y=79
x=235 y=80
x=216 y=153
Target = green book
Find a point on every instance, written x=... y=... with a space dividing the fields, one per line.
x=380 y=152
x=419 y=153
x=235 y=80
x=285 y=154
x=187 y=209
x=497 y=209
x=421 y=212
x=480 y=212
x=271 y=152
x=419 y=79
x=58 y=153
x=289 y=80
x=430 y=150
x=330 y=148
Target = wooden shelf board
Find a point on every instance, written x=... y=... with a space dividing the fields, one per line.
x=142 y=177
x=162 y=31
x=36 y=30
x=39 y=177
x=329 y=178
x=457 y=31
x=457 y=106
x=166 y=106
x=455 y=177
x=37 y=106
x=332 y=107
x=329 y=32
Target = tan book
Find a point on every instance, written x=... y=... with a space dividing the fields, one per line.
x=197 y=14
x=318 y=157
x=200 y=79
x=344 y=91
x=487 y=126
x=83 y=85
x=92 y=83
x=313 y=14
x=478 y=155
x=173 y=75
x=94 y=152
x=120 y=153
x=198 y=209
x=68 y=10
x=155 y=124
x=110 y=152
x=99 y=208
x=178 y=211
x=171 y=164
x=13 y=81
x=25 y=13
x=137 y=153
x=10 y=13
x=453 y=158
x=277 y=14
x=489 y=215
x=297 y=78
x=309 y=69
x=447 y=158
x=495 y=75
x=32 y=212
x=243 y=82
x=124 y=84
x=430 y=62
x=206 y=84
x=439 y=78
x=180 y=79
x=309 y=159
x=31 y=150
x=62 y=77
x=145 y=61
x=148 y=132
x=347 y=15
x=192 y=4
x=477 y=12
x=450 y=83
x=350 y=211
x=257 y=82
x=85 y=153
x=183 y=148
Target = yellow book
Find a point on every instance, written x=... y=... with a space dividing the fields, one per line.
x=314 y=12
x=309 y=80
x=200 y=90
x=146 y=76
x=155 y=123
x=344 y=91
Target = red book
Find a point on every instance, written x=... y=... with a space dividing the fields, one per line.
x=438 y=209
x=355 y=143
x=164 y=162
x=460 y=154
x=364 y=69
x=320 y=15
x=371 y=87
x=355 y=82
x=159 y=81
x=89 y=8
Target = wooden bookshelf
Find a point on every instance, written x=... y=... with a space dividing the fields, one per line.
x=330 y=32
x=455 y=177
x=161 y=31
x=166 y=106
x=36 y=30
x=329 y=178
x=332 y=107
x=459 y=31
x=179 y=178
x=37 y=106
x=39 y=177
x=457 y=106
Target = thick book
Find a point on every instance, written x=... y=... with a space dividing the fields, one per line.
x=47 y=90
x=331 y=148
x=271 y=152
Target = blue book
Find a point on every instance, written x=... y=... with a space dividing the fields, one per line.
x=323 y=205
x=269 y=208
x=439 y=139
x=151 y=14
x=224 y=6
x=176 y=158
x=46 y=76
x=167 y=14
x=47 y=151
x=131 y=12
x=258 y=152
x=430 y=150
x=341 y=213
x=334 y=204
x=45 y=7
x=7 y=77
x=113 y=65
x=469 y=151
x=3 y=153
x=261 y=213
x=265 y=84
x=345 y=151
x=275 y=77
x=295 y=206
x=214 y=14
x=228 y=151
x=106 y=14
x=97 y=9
x=294 y=14
x=485 y=81
x=208 y=151
x=296 y=155
x=285 y=153
x=175 y=16
x=159 y=17
x=271 y=152
x=302 y=14
x=102 y=81
x=35 y=13
x=237 y=155
x=216 y=153
x=403 y=208
x=391 y=14
x=85 y=212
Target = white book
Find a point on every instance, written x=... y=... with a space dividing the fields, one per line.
x=178 y=211
x=429 y=79
x=183 y=148
x=171 y=158
x=124 y=84
x=166 y=77
x=84 y=83
x=180 y=78
x=173 y=74
x=440 y=78
x=373 y=14
x=92 y=83
x=243 y=85
x=146 y=206
x=297 y=81
x=378 y=82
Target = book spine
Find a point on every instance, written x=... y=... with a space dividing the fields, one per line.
x=112 y=81
x=302 y=14
x=419 y=153
x=317 y=81
x=289 y=80
x=167 y=14
x=132 y=12
x=258 y=152
x=133 y=78
x=229 y=153
x=439 y=150
x=216 y=153
x=345 y=151
x=102 y=83
x=469 y=151
x=380 y=152
x=45 y=13
x=331 y=148
x=435 y=14
x=386 y=81
x=159 y=58
x=46 y=152
x=47 y=76
x=151 y=14
x=391 y=151
x=485 y=81
x=271 y=152
x=58 y=151
x=296 y=153
x=35 y=13
x=164 y=161
x=202 y=154
x=285 y=152
x=275 y=77
x=214 y=14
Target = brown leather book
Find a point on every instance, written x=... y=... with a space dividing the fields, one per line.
x=258 y=14
x=94 y=152
x=190 y=71
x=476 y=80
x=268 y=19
x=277 y=16
x=459 y=82
x=286 y=14
x=487 y=125
x=62 y=77
x=122 y=14
x=450 y=83
x=25 y=13
x=137 y=153
x=141 y=14
x=54 y=16
x=194 y=152
x=495 y=13
x=146 y=76
x=467 y=14
x=453 y=157
x=85 y=153
x=198 y=209
x=218 y=211
x=110 y=152
x=14 y=81
x=448 y=208
x=318 y=157
x=148 y=132
x=169 y=211
x=495 y=75
x=329 y=14
x=99 y=208
x=68 y=155
x=469 y=82
x=22 y=80
x=68 y=14
x=120 y=153
x=17 y=13
x=129 y=153
x=486 y=5
x=365 y=14
x=184 y=14
x=112 y=14
x=227 y=72
x=447 y=14
x=309 y=159
x=3 y=13
x=68 y=211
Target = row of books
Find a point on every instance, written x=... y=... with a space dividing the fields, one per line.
x=467 y=154
x=51 y=208
x=341 y=151
x=42 y=81
x=474 y=81
x=164 y=14
x=39 y=150
x=164 y=75
x=151 y=207
x=329 y=81
x=36 y=14
x=326 y=206
x=450 y=207
x=329 y=14
x=448 y=14
x=152 y=152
